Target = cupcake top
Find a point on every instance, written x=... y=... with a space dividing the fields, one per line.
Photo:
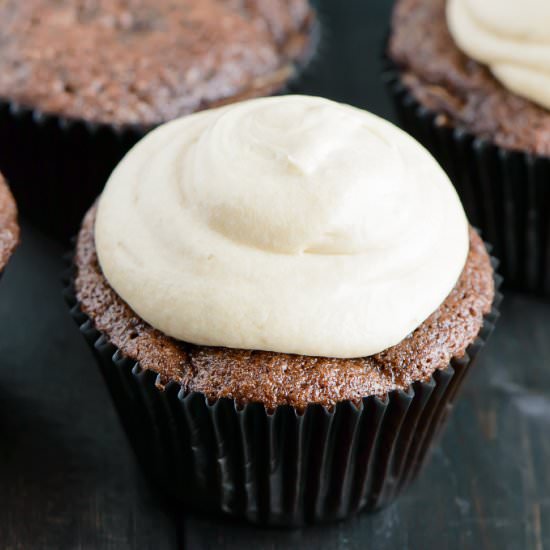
x=146 y=61
x=511 y=37
x=9 y=228
x=290 y=224
x=461 y=91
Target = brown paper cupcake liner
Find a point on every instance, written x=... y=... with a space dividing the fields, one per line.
x=505 y=193
x=58 y=165
x=278 y=468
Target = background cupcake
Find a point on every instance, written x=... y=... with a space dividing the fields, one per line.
x=9 y=228
x=468 y=80
x=81 y=82
x=236 y=339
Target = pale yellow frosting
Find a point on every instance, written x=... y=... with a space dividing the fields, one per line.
x=290 y=224
x=512 y=37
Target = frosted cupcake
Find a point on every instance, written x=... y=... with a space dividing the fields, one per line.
x=471 y=81
x=283 y=295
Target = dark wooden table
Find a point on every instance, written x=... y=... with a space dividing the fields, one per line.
x=69 y=480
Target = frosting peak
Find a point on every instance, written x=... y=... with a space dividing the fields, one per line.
x=290 y=224
x=511 y=37
x=293 y=177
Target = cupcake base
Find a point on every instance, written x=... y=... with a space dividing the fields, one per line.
x=505 y=193
x=278 y=468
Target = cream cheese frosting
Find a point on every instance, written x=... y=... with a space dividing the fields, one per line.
x=511 y=37
x=291 y=224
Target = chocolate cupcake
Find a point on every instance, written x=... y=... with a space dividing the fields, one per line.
x=470 y=81
x=9 y=228
x=283 y=296
x=81 y=82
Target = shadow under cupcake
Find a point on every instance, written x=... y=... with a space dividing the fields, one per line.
x=290 y=407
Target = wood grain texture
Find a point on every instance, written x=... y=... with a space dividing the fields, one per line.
x=68 y=479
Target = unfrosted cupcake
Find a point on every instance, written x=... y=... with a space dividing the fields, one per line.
x=283 y=296
x=80 y=82
x=470 y=80
x=9 y=228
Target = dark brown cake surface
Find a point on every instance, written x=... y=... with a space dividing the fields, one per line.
x=278 y=378
x=146 y=61
x=9 y=228
x=463 y=91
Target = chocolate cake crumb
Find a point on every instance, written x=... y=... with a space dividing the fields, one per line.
x=144 y=62
x=9 y=228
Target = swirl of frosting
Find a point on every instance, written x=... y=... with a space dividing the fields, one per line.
x=290 y=224
x=511 y=37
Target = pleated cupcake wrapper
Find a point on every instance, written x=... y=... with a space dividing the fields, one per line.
x=57 y=166
x=279 y=467
x=505 y=193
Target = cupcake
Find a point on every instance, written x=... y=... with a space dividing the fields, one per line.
x=9 y=228
x=283 y=296
x=81 y=82
x=470 y=81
